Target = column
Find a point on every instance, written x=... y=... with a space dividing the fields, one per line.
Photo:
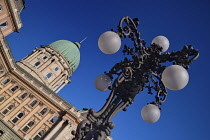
x=32 y=55
x=61 y=87
x=47 y=64
x=57 y=80
x=63 y=131
x=55 y=129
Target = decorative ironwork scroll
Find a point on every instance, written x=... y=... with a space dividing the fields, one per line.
x=141 y=68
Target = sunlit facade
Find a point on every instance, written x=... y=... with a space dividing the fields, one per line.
x=30 y=109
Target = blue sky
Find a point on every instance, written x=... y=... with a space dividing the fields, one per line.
x=185 y=114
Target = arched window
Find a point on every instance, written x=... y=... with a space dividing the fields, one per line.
x=2 y=98
x=1 y=72
x=17 y=117
x=56 y=68
x=1 y=9
x=48 y=76
x=1 y=132
x=13 y=89
x=39 y=135
x=28 y=126
x=43 y=111
x=45 y=57
x=5 y=81
x=23 y=95
x=37 y=64
x=8 y=109
x=54 y=119
x=33 y=103
x=3 y=25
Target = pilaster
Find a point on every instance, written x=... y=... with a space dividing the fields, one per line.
x=63 y=131
x=55 y=129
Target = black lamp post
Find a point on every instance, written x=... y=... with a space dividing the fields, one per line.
x=141 y=68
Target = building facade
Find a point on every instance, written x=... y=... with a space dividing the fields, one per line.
x=10 y=15
x=30 y=109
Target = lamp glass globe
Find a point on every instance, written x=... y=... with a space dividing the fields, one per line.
x=102 y=82
x=109 y=42
x=150 y=113
x=162 y=41
x=175 y=77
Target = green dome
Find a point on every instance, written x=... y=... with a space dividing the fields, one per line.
x=69 y=50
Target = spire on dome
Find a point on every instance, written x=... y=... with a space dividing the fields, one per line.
x=79 y=43
x=83 y=40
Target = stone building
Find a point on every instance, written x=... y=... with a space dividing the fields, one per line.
x=30 y=109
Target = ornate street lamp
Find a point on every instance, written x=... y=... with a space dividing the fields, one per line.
x=141 y=68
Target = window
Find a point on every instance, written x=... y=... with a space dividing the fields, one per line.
x=28 y=126
x=23 y=96
x=37 y=64
x=17 y=117
x=33 y=103
x=48 y=76
x=5 y=81
x=2 y=98
x=8 y=109
x=1 y=72
x=39 y=135
x=3 y=25
x=13 y=89
x=43 y=111
x=54 y=119
x=45 y=57
x=56 y=68
x=1 y=132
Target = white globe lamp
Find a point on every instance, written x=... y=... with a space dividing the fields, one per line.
x=109 y=42
x=175 y=77
x=102 y=82
x=162 y=41
x=150 y=113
